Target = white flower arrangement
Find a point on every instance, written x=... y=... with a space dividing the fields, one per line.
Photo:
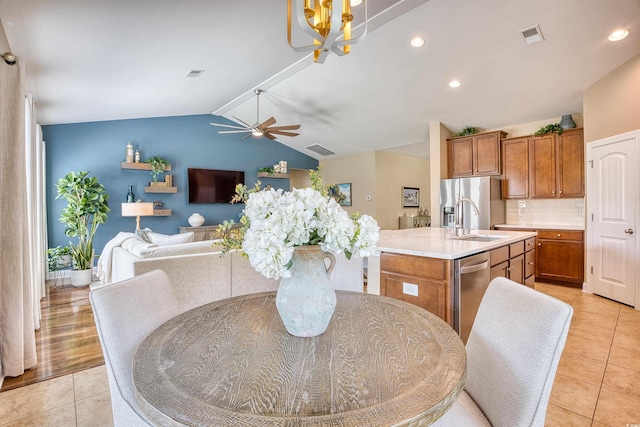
x=278 y=221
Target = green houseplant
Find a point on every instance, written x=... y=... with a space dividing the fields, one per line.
x=87 y=208
x=158 y=165
x=554 y=127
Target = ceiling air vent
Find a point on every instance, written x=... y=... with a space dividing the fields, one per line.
x=317 y=148
x=194 y=73
x=532 y=35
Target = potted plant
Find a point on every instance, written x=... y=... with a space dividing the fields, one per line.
x=158 y=166
x=58 y=257
x=87 y=207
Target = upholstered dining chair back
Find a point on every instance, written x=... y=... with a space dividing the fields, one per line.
x=513 y=352
x=126 y=313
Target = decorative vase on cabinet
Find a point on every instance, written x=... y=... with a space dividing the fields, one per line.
x=567 y=122
x=196 y=220
x=306 y=300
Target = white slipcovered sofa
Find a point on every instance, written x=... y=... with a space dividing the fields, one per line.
x=200 y=273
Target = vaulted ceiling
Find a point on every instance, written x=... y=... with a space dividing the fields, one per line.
x=121 y=59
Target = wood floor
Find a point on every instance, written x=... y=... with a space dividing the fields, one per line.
x=67 y=341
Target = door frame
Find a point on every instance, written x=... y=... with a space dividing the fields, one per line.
x=591 y=253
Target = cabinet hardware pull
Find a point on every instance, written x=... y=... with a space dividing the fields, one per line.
x=558 y=234
x=539 y=244
x=530 y=263
x=560 y=191
x=629 y=231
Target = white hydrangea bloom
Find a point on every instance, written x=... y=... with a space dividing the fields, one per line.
x=279 y=221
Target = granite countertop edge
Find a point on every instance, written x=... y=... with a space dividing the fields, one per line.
x=543 y=226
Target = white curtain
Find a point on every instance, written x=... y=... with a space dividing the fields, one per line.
x=34 y=168
x=17 y=335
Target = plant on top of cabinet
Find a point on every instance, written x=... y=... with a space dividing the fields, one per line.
x=466 y=131
x=552 y=128
x=158 y=165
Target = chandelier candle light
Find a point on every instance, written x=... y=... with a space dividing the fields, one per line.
x=328 y=22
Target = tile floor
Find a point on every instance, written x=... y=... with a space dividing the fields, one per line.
x=597 y=383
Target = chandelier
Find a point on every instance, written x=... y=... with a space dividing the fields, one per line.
x=328 y=22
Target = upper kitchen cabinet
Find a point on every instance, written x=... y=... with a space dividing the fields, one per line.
x=557 y=165
x=475 y=155
x=515 y=168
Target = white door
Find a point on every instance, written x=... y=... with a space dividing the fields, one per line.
x=612 y=197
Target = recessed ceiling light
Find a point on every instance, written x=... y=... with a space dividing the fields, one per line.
x=618 y=35
x=454 y=83
x=356 y=3
x=417 y=42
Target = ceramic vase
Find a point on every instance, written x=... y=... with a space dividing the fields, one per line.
x=81 y=278
x=567 y=122
x=196 y=220
x=306 y=300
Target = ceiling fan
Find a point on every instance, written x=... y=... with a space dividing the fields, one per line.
x=259 y=129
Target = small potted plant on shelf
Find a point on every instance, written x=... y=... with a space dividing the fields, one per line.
x=554 y=127
x=87 y=208
x=158 y=166
x=466 y=131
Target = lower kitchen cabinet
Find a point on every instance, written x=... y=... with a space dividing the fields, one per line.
x=425 y=282
x=560 y=256
x=511 y=261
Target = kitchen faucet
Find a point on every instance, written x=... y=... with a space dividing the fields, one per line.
x=459 y=225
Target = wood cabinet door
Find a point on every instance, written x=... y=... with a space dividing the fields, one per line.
x=529 y=263
x=461 y=157
x=429 y=294
x=499 y=270
x=515 y=168
x=486 y=154
x=516 y=269
x=543 y=166
x=570 y=155
x=560 y=260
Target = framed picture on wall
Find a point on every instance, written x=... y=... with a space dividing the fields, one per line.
x=342 y=193
x=410 y=197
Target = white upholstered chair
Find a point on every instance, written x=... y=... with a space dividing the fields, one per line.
x=126 y=313
x=512 y=356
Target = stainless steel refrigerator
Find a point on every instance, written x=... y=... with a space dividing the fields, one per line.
x=486 y=194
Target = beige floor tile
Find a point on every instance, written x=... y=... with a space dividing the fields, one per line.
x=629 y=313
x=574 y=395
x=586 y=329
x=557 y=416
x=628 y=327
x=95 y=411
x=26 y=401
x=599 y=424
x=625 y=357
x=624 y=339
x=581 y=368
x=616 y=409
x=622 y=380
x=598 y=320
x=590 y=303
x=64 y=415
x=90 y=382
x=588 y=348
x=565 y=294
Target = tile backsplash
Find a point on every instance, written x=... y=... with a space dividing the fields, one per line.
x=530 y=212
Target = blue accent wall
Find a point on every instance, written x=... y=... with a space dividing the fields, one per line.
x=186 y=141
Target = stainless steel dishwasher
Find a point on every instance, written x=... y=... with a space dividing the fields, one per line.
x=471 y=279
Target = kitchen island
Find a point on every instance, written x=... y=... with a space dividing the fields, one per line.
x=448 y=276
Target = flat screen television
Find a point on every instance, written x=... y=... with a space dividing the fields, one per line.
x=213 y=186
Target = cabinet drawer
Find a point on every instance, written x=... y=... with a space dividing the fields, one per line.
x=499 y=255
x=530 y=281
x=560 y=235
x=530 y=244
x=427 y=294
x=516 y=249
x=529 y=263
x=427 y=268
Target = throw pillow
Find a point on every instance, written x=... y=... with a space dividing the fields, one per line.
x=165 y=240
x=143 y=233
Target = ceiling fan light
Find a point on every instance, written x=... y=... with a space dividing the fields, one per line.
x=257 y=132
x=618 y=35
x=454 y=83
x=417 y=42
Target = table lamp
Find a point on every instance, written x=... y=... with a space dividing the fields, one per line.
x=137 y=209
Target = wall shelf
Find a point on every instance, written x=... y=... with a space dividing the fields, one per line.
x=160 y=189
x=162 y=212
x=140 y=166
x=273 y=175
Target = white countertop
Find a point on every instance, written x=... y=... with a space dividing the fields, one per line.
x=543 y=226
x=436 y=242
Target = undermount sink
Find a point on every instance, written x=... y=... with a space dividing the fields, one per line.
x=478 y=237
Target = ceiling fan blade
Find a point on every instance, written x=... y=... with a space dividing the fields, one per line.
x=235 y=131
x=286 y=127
x=279 y=132
x=226 y=126
x=268 y=135
x=243 y=122
x=267 y=123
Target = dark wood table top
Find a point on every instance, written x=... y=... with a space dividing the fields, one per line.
x=232 y=362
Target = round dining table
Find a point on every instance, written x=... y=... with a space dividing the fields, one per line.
x=381 y=362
